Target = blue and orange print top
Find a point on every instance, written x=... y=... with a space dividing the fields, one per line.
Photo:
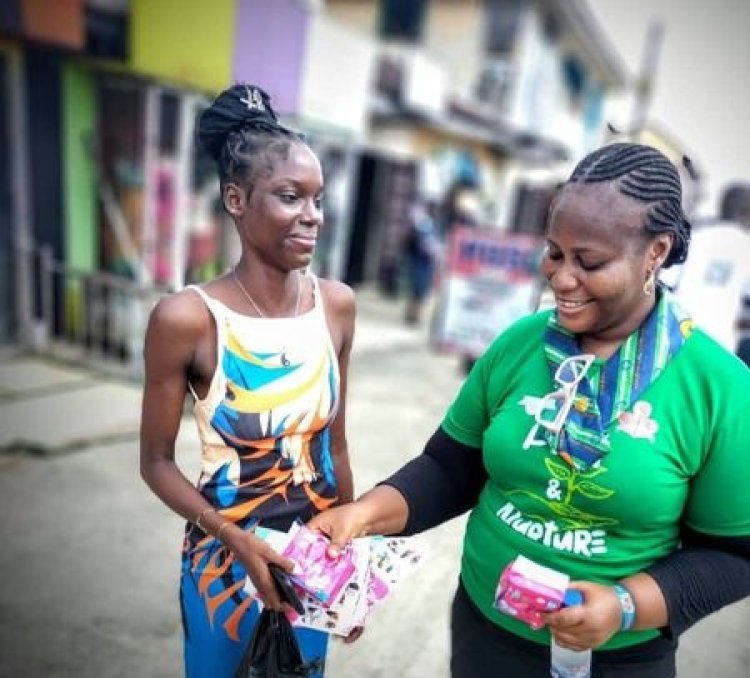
x=264 y=424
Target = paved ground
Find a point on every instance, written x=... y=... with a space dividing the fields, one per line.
x=88 y=568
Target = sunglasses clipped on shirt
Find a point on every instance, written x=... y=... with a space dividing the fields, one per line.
x=553 y=408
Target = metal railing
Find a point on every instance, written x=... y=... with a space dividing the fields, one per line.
x=92 y=318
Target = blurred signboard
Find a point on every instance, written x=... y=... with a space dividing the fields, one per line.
x=59 y=23
x=491 y=279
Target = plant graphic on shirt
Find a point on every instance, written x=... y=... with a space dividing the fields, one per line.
x=560 y=503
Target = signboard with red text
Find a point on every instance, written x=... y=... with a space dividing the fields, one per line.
x=491 y=279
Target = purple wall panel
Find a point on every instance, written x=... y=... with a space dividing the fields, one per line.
x=269 y=47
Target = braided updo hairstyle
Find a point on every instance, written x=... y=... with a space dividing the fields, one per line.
x=644 y=174
x=237 y=128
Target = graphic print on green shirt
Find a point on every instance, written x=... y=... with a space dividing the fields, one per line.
x=673 y=457
x=562 y=487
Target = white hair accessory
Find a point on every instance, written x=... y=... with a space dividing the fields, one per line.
x=254 y=100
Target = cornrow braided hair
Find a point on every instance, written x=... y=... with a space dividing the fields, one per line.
x=240 y=126
x=644 y=174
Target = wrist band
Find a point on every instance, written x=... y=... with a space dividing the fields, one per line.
x=627 y=607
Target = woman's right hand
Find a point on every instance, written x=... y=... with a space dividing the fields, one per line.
x=382 y=510
x=256 y=555
x=341 y=524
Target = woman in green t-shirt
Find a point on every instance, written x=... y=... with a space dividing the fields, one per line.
x=606 y=439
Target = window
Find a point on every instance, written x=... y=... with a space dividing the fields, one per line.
x=402 y=20
x=501 y=22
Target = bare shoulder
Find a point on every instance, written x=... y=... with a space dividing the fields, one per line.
x=339 y=304
x=183 y=313
x=338 y=296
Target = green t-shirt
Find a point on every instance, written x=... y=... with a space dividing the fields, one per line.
x=680 y=453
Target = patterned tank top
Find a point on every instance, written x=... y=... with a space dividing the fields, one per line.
x=264 y=424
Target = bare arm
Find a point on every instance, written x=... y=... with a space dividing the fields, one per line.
x=382 y=510
x=171 y=337
x=173 y=333
x=649 y=602
x=439 y=484
x=340 y=308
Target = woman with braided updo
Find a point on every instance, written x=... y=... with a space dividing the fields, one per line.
x=263 y=350
x=606 y=439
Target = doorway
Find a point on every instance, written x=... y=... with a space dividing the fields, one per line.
x=7 y=270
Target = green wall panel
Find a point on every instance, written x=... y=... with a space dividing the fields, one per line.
x=79 y=187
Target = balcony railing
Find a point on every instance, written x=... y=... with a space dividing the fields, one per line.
x=92 y=318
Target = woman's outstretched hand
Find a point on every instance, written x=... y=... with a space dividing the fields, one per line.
x=382 y=510
x=340 y=525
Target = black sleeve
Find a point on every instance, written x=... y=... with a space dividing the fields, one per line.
x=441 y=483
x=706 y=574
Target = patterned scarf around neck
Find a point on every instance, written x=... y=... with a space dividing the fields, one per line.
x=609 y=389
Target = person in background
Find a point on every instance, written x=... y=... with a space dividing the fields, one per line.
x=714 y=283
x=263 y=351
x=604 y=438
x=422 y=250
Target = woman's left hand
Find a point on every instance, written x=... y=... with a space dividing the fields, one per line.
x=586 y=626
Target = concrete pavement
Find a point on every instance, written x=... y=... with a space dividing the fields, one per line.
x=90 y=558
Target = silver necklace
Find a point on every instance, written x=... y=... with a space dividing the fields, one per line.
x=252 y=301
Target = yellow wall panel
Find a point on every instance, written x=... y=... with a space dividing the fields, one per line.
x=186 y=41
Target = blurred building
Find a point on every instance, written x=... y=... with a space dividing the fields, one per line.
x=479 y=105
x=108 y=201
x=688 y=166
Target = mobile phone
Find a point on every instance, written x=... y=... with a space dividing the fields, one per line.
x=285 y=588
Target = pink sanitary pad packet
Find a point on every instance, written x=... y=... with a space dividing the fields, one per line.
x=526 y=590
x=315 y=572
